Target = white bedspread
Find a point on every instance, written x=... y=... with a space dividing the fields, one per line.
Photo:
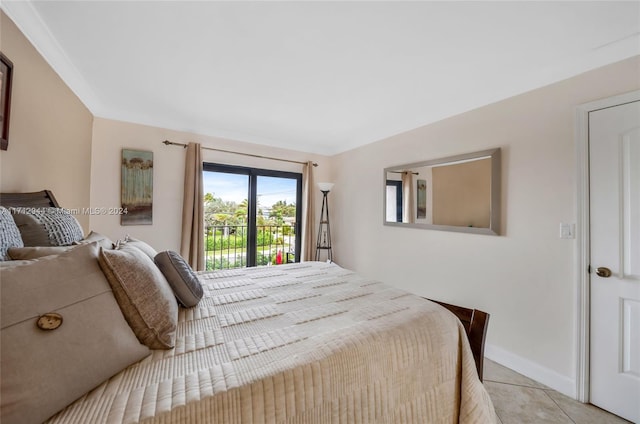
x=299 y=343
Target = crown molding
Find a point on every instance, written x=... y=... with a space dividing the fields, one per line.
x=30 y=23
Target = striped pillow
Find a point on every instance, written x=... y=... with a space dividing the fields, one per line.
x=47 y=226
x=9 y=234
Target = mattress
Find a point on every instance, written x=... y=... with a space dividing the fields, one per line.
x=299 y=343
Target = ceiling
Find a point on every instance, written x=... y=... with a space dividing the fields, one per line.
x=320 y=77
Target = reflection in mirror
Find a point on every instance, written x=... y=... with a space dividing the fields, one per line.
x=459 y=193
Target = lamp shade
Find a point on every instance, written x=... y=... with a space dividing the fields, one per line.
x=325 y=186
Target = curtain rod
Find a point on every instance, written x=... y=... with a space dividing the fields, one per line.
x=168 y=143
x=402 y=172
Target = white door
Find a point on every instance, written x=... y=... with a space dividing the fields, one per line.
x=614 y=165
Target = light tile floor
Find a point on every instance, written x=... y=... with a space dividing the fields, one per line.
x=520 y=400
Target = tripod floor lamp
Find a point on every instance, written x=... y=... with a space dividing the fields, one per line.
x=324 y=231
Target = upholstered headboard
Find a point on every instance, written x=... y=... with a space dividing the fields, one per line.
x=38 y=199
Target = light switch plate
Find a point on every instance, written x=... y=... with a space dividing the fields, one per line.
x=567 y=231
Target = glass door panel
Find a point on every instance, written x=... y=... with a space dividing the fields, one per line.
x=226 y=216
x=251 y=216
x=276 y=218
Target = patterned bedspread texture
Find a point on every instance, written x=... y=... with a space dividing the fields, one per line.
x=299 y=343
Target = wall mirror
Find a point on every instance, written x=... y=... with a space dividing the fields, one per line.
x=458 y=193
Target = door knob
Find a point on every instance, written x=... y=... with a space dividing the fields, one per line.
x=603 y=272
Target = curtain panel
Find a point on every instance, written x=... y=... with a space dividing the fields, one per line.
x=192 y=242
x=408 y=202
x=308 y=220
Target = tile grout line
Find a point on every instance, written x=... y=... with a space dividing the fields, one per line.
x=548 y=391
x=534 y=388
x=514 y=384
x=558 y=405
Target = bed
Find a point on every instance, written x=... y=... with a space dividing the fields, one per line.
x=307 y=342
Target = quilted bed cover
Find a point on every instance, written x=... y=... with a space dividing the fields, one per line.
x=299 y=343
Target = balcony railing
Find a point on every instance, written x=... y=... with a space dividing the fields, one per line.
x=226 y=245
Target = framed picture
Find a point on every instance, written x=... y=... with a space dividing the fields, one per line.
x=422 y=199
x=136 y=188
x=6 y=74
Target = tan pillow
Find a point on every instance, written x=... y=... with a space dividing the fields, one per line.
x=104 y=241
x=35 y=252
x=144 y=295
x=45 y=370
x=10 y=264
x=141 y=245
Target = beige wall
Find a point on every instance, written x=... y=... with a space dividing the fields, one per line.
x=50 y=129
x=110 y=137
x=524 y=278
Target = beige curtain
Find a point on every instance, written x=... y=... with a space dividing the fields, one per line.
x=192 y=244
x=308 y=219
x=408 y=202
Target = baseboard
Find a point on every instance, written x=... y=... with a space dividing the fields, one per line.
x=534 y=371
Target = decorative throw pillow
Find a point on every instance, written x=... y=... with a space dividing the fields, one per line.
x=47 y=226
x=35 y=252
x=62 y=334
x=139 y=244
x=144 y=295
x=103 y=241
x=9 y=233
x=10 y=264
x=181 y=278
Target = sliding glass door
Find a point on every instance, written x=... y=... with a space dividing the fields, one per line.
x=252 y=216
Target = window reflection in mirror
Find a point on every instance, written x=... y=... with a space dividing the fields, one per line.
x=456 y=193
x=394 y=201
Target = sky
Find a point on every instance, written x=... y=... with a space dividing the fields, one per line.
x=234 y=187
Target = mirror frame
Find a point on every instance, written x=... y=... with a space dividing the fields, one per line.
x=496 y=184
